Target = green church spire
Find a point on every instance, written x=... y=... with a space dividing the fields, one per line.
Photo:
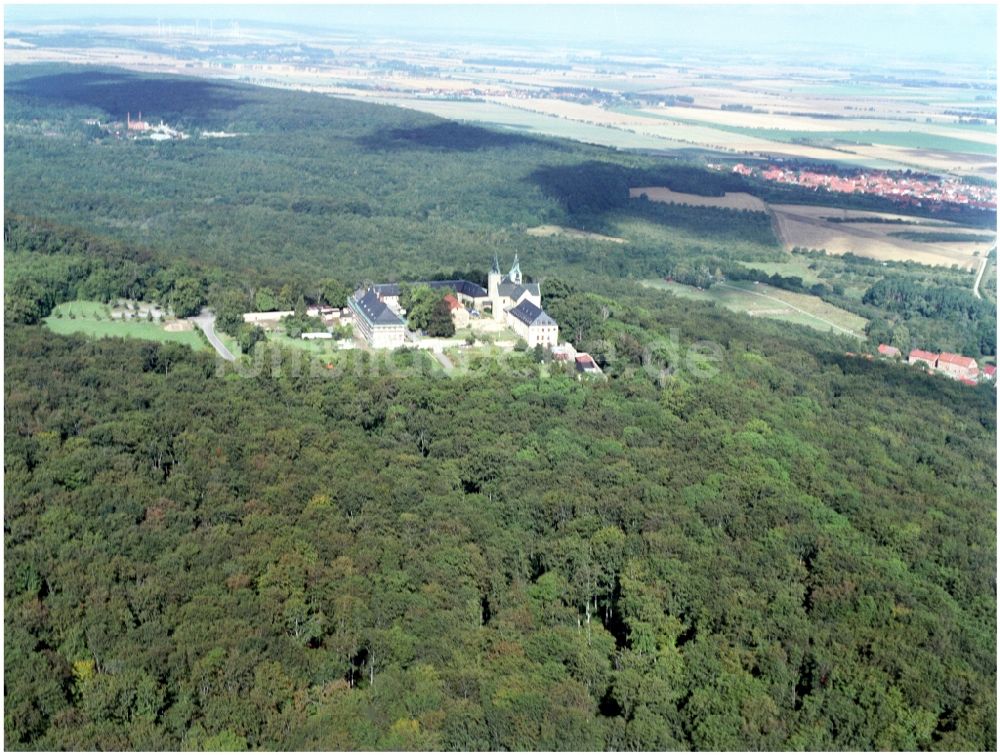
x=515 y=271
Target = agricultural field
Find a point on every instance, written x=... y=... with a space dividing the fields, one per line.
x=798 y=110
x=731 y=201
x=527 y=121
x=811 y=228
x=93 y=318
x=785 y=127
x=881 y=144
x=761 y=300
x=663 y=133
x=939 y=161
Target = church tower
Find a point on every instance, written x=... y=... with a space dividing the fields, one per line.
x=515 y=272
x=493 y=280
x=493 y=289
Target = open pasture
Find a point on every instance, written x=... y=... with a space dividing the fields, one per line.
x=811 y=228
x=761 y=300
x=92 y=318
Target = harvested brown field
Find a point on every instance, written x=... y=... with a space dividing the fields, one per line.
x=964 y=164
x=811 y=228
x=547 y=231
x=730 y=201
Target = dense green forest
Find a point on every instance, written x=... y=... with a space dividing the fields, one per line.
x=772 y=546
x=798 y=553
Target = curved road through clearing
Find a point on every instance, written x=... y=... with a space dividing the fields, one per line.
x=444 y=360
x=206 y=321
x=979 y=277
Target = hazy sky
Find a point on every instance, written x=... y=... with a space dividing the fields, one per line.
x=915 y=32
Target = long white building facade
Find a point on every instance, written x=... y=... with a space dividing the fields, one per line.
x=533 y=325
x=375 y=322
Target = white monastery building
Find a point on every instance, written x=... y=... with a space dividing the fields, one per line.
x=512 y=302
x=375 y=322
x=533 y=325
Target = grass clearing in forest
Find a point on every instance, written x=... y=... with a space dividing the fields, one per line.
x=799 y=267
x=317 y=346
x=545 y=231
x=736 y=200
x=761 y=300
x=91 y=318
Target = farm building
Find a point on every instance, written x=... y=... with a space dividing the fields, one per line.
x=586 y=364
x=265 y=319
x=459 y=314
x=923 y=357
x=888 y=351
x=564 y=352
x=957 y=366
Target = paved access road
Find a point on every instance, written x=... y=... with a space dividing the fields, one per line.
x=979 y=277
x=206 y=321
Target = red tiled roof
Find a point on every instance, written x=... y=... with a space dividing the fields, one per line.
x=452 y=302
x=990 y=370
x=919 y=354
x=886 y=350
x=957 y=359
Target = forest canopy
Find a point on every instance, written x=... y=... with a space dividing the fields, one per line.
x=792 y=550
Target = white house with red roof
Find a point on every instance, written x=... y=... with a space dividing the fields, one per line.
x=459 y=314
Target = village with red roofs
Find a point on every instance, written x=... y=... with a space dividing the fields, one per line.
x=919 y=191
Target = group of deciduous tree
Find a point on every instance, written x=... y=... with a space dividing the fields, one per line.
x=386 y=559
